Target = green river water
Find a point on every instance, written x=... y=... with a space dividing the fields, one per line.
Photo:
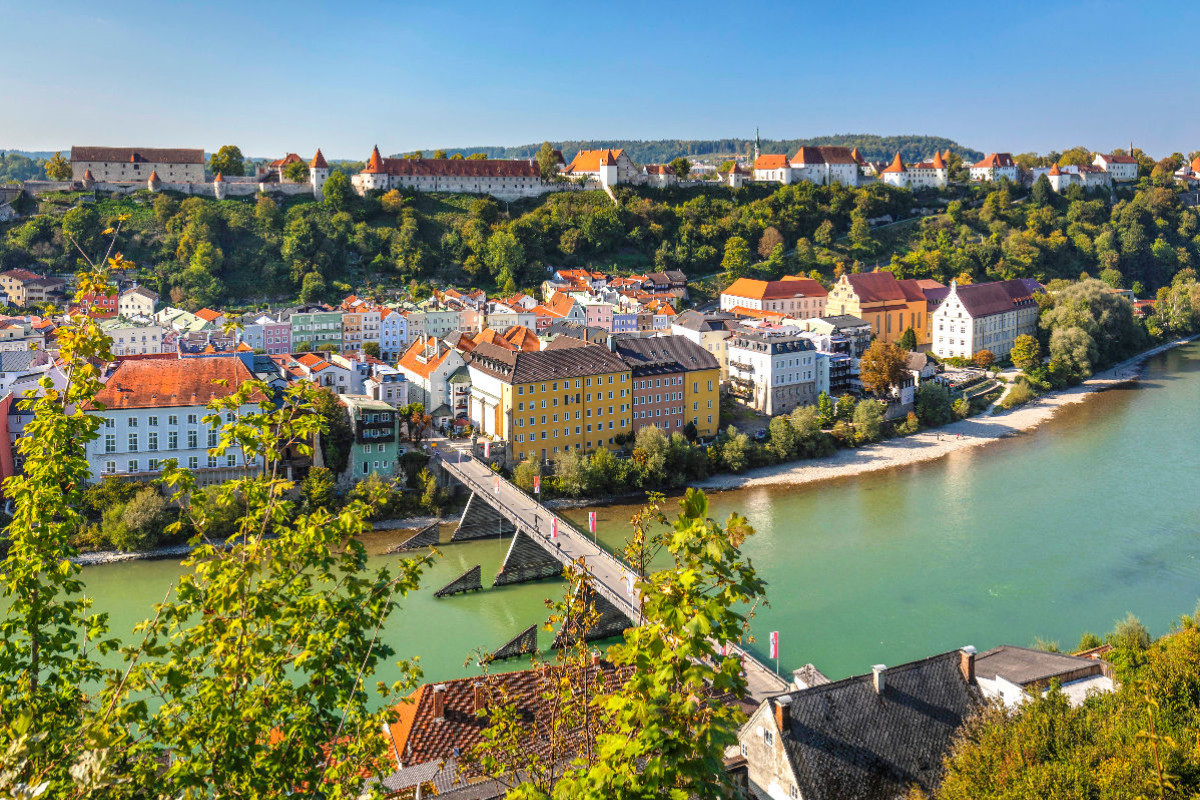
x=1046 y=534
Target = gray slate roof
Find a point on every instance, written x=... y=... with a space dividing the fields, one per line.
x=846 y=742
x=663 y=354
x=695 y=321
x=528 y=367
x=1023 y=665
x=17 y=360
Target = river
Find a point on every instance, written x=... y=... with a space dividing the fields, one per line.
x=1048 y=534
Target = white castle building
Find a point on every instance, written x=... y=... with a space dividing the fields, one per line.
x=820 y=165
x=932 y=174
x=503 y=179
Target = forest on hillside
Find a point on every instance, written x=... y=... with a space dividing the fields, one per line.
x=198 y=251
x=661 y=151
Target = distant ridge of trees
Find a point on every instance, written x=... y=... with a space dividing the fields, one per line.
x=660 y=151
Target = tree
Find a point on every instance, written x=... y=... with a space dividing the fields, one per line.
x=439 y=154
x=868 y=421
x=1026 y=352
x=58 y=168
x=504 y=253
x=825 y=410
x=318 y=489
x=782 y=441
x=1042 y=193
x=770 y=239
x=681 y=167
x=825 y=234
x=933 y=404
x=547 y=160
x=736 y=261
x=908 y=339
x=296 y=172
x=312 y=288
x=371 y=349
x=735 y=453
x=337 y=193
x=392 y=201
x=860 y=232
x=984 y=358
x=227 y=161
x=337 y=437
x=139 y=523
x=524 y=474
x=882 y=366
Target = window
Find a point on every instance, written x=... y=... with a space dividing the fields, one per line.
x=173 y=440
x=193 y=439
x=191 y=418
x=132 y=422
x=193 y=462
x=109 y=422
x=769 y=738
x=172 y=420
x=133 y=442
x=152 y=465
x=110 y=443
x=110 y=467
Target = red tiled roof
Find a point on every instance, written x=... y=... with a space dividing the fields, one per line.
x=290 y=158
x=523 y=339
x=938 y=162
x=790 y=286
x=659 y=169
x=742 y=311
x=914 y=289
x=207 y=314
x=457 y=167
x=87 y=175
x=1054 y=170
x=136 y=155
x=218 y=179
x=592 y=160
x=1116 y=159
x=173 y=382
x=823 y=155
x=318 y=161
x=896 y=166
x=375 y=162
x=411 y=360
x=994 y=160
x=876 y=287
x=771 y=161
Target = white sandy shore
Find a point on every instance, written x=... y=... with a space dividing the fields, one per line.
x=929 y=445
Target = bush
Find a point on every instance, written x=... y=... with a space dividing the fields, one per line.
x=909 y=426
x=1020 y=393
x=524 y=473
x=318 y=489
x=138 y=524
x=868 y=421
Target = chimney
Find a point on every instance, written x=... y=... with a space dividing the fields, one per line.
x=783 y=712
x=439 y=703
x=595 y=658
x=479 y=704
x=966 y=663
x=878 y=677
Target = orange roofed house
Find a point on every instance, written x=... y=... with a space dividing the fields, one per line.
x=793 y=296
x=437 y=377
x=609 y=167
x=890 y=306
x=153 y=410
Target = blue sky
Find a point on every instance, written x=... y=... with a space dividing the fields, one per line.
x=273 y=77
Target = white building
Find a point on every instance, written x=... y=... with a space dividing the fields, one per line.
x=792 y=295
x=137 y=302
x=503 y=179
x=154 y=411
x=824 y=165
x=136 y=164
x=133 y=337
x=607 y=167
x=1087 y=175
x=983 y=316
x=711 y=331
x=1122 y=168
x=660 y=176
x=427 y=366
x=931 y=174
x=772 y=370
x=996 y=166
x=774 y=168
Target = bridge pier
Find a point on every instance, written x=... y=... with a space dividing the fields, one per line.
x=469 y=581
x=527 y=560
x=480 y=521
x=610 y=621
x=523 y=644
x=426 y=537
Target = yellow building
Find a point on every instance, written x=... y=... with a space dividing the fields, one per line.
x=675 y=382
x=890 y=306
x=544 y=403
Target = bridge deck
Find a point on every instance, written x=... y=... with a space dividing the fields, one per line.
x=609 y=575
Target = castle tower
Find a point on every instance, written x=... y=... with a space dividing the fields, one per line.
x=153 y=183
x=318 y=173
x=757 y=145
x=89 y=180
x=374 y=176
x=219 y=187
